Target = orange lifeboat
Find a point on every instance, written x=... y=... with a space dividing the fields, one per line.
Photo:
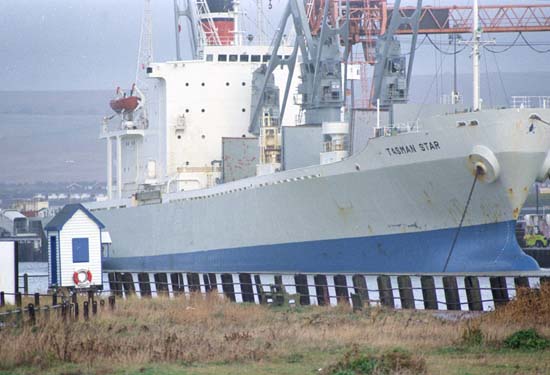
x=124 y=103
x=127 y=104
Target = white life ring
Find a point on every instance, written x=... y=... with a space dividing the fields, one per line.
x=82 y=277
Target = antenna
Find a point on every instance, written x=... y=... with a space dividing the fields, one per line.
x=476 y=43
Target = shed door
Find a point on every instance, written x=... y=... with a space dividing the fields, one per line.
x=53 y=258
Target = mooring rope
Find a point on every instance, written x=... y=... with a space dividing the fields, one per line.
x=461 y=221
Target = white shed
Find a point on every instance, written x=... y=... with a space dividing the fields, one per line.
x=74 y=248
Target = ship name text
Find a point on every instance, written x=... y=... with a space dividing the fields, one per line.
x=412 y=148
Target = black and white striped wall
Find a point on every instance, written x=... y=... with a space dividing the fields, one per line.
x=474 y=292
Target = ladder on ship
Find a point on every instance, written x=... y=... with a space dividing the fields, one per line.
x=209 y=27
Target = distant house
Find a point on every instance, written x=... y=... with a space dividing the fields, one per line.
x=74 y=248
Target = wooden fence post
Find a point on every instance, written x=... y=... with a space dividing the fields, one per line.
x=26 y=283
x=37 y=299
x=86 y=312
x=54 y=299
x=90 y=296
x=2 y=299
x=94 y=307
x=357 y=302
x=32 y=314
x=18 y=299
x=112 y=302
x=46 y=312
x=64 y=311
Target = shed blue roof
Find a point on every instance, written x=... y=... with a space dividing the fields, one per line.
x=59 y=220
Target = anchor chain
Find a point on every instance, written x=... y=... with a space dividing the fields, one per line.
x=478 y=172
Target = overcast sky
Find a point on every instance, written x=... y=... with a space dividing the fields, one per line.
x=92 y=44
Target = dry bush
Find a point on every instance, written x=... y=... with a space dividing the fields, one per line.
x=529 y=309
x=530 y=306
x=211 y=329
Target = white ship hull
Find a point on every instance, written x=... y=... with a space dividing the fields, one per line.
x=395 y=206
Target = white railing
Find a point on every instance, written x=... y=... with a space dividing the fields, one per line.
x=530 y=101
x=396 y=129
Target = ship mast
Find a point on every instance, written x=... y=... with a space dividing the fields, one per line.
x=476 y=32
x=259 y=21
x=238 y=33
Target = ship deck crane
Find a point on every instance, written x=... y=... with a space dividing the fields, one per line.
x=369 y=19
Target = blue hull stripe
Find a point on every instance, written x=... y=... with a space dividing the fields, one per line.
x=481 y=248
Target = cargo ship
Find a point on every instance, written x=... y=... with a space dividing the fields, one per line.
x=235 y=161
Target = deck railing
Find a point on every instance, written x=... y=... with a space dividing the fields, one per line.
x=396 y=129
x=530 y=101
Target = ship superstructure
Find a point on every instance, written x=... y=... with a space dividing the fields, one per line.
x=439 y=193
x=190 y=106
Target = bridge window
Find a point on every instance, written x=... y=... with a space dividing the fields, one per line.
x=266 y=58
x=256 y=58
x=222 y=57
x=233 y=58
x=209 y=57
x=244 y=58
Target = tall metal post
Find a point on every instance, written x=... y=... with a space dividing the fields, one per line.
x=260 y=21
x=238 y=39
x=145 y=52
x=454 y=94
x=119 y=166
x=109 y=168
x=537 y=196
x=177 y=26
x=475 y=57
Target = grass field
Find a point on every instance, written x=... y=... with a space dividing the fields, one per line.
x=208 y=335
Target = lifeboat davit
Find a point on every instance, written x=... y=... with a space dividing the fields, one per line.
x=127 y=104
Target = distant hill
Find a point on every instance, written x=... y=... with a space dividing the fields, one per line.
x=85 y=102
x=52 y=136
